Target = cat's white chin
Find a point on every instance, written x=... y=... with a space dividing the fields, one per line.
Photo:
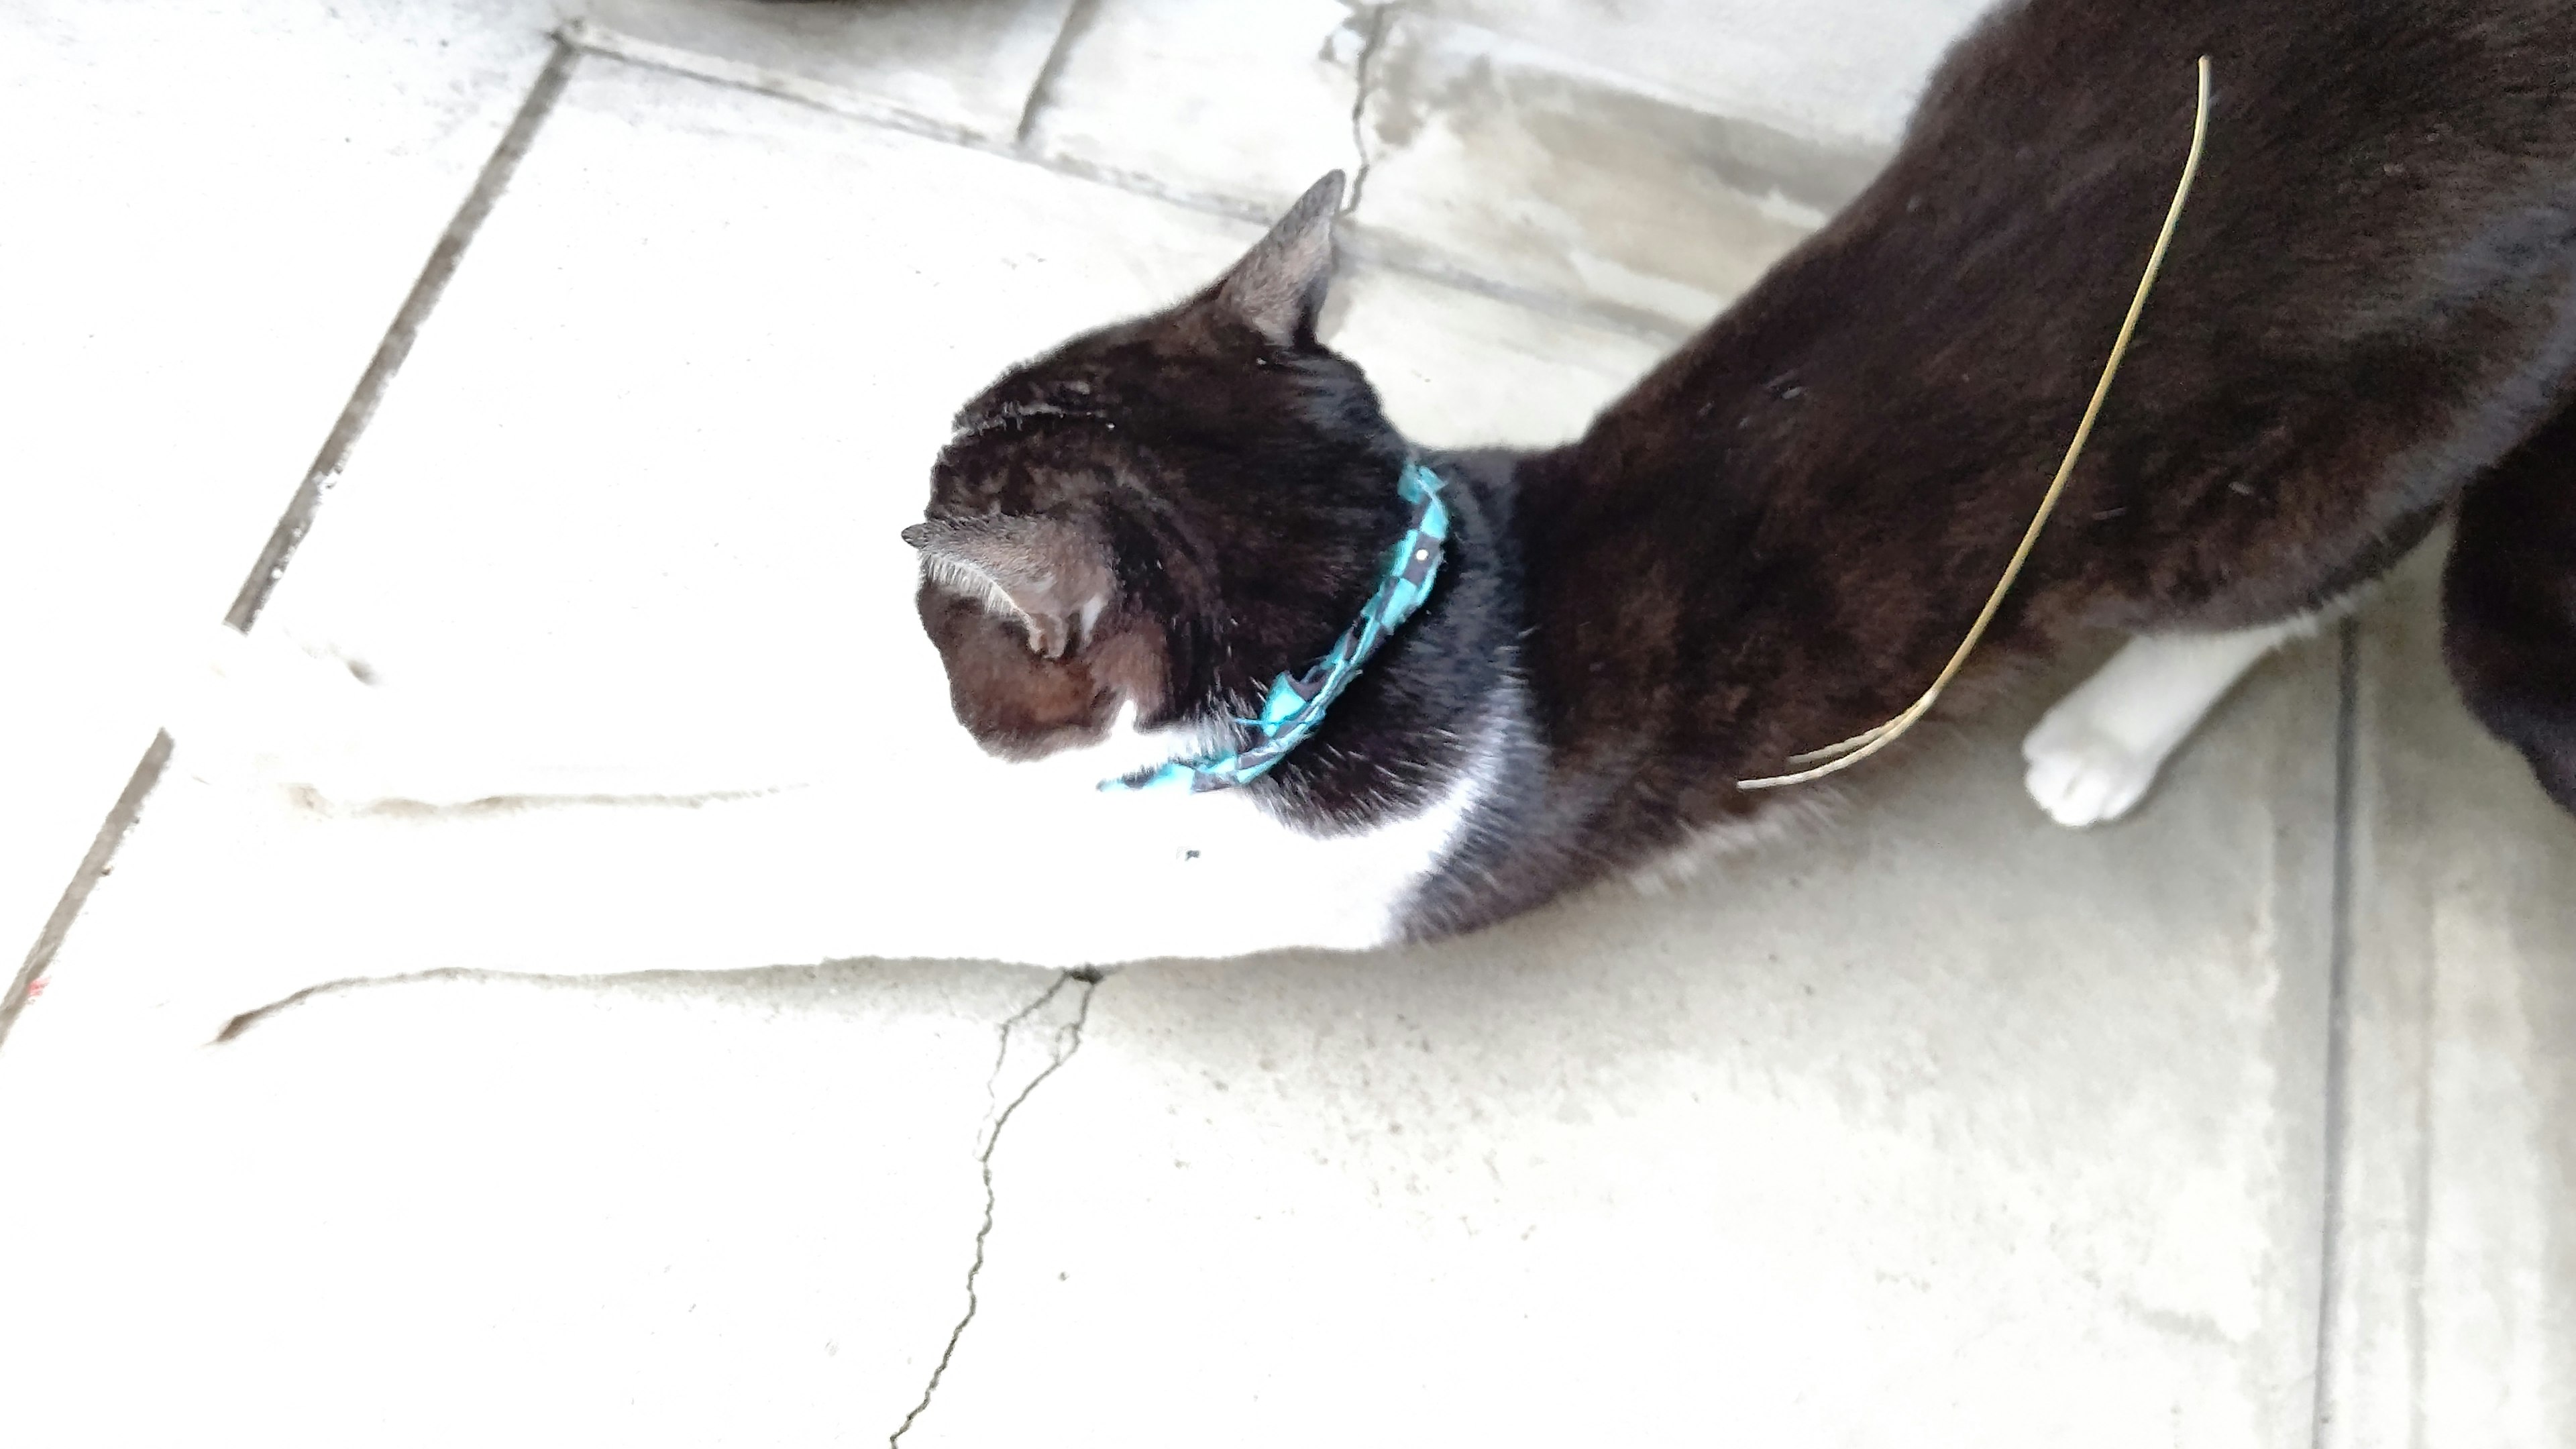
x=1124 y=750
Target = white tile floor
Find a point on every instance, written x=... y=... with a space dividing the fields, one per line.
x=1941 y=1127
x=199 y=260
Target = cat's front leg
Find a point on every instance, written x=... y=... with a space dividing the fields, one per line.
x=2096 y=752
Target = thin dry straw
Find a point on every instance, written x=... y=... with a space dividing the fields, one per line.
x=1861 y=746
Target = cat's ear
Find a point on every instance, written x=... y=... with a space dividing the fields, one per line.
x=1279 y=285
x=1049 y=573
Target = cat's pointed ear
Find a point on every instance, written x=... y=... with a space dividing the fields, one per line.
x=1050 y=574
x=1279 y=285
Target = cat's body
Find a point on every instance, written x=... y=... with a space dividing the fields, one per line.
x=1775 y=540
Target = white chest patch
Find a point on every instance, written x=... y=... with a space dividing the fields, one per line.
x=1135 y=875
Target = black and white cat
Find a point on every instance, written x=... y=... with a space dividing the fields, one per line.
x=1774 y=540
x=2367 y=322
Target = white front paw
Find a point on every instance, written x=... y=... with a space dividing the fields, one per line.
x=2082 y=775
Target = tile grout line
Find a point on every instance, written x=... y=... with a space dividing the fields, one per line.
x=405 y=329
x=589 y=36
x=298 y=517
x=94 y=865
x=2339 y=936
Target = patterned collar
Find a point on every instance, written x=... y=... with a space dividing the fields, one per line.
x=1296 y=706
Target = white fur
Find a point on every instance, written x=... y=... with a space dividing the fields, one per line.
x=2095 y=753
x=959 y=577
x=1233 y=880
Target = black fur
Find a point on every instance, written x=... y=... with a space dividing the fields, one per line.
x=2509 y=604
x=1777 y=537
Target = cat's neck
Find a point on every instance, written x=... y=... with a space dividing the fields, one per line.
x=1441 y=697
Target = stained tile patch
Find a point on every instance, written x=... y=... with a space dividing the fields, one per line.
x=964 y=65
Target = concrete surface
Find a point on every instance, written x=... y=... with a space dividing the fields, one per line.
x=2453 y=1311
x=1845 y=73
x=215 y=211
x=1497 y=158
x=683 y=1212
x=1935 y=1125
x=962 y=67
x=1735 y=1161
x=1248 y=103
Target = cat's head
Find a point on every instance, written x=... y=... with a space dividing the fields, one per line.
x=1164 y=513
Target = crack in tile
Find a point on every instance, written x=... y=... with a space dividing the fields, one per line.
x=2331 y=1287
x=1078 y=18
x=1064 y=1041
x=1379 y=19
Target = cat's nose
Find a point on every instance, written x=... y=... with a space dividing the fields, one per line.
x=918 y=535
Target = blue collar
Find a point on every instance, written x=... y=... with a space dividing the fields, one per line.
x=1296 y=706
